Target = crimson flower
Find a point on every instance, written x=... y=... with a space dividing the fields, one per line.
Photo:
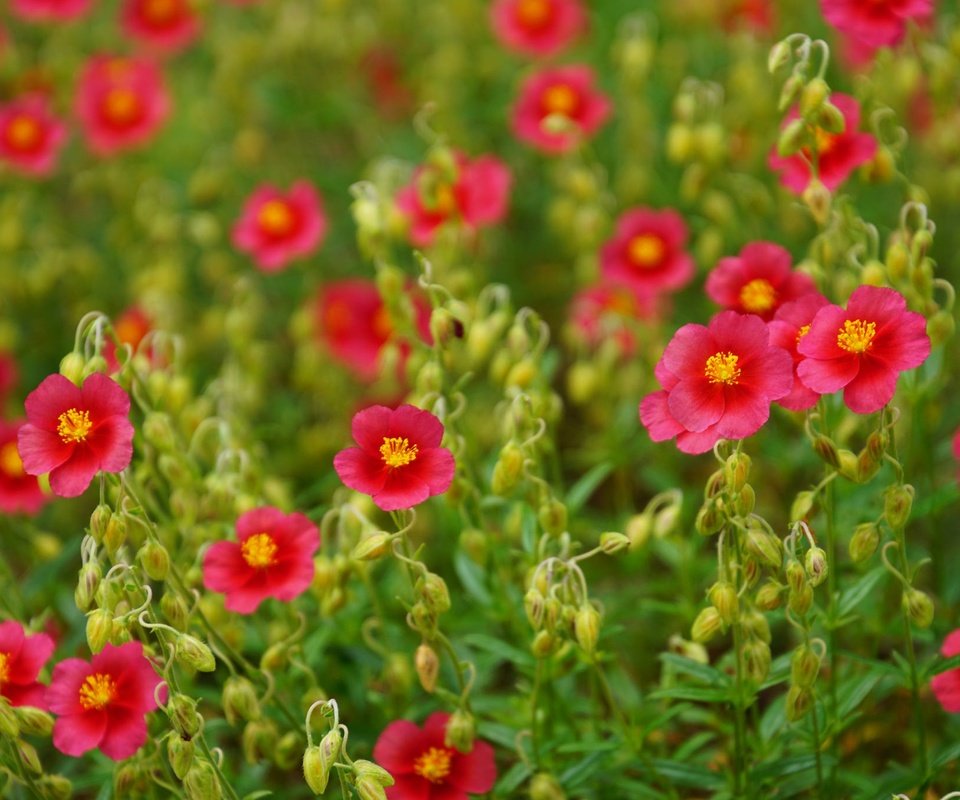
x=31 y=136
x=130 y=328
x=605 y=311
x=50 y=10
x=864 y=348
x=103 y=703
x=21 y=659
x=424 y=768
x=167 y=25
x=74 y=433
x=790 y=324
x=946 y=685
x=758 y=281
x=8 y=374
x=272 y=557
x=18 y=490
x=399 y=461
x=537 y=27
x=875 y=23
x=718 y=382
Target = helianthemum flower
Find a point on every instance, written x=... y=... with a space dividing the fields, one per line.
x=18 y=490
x=22 y=657
x=31 y=136
x=167 y=25
x=567 y=93
x=606 y=310
x=74 y=433
x=276 y=228
x=399 y=461
x=103 y=703
x=790 y=324
x=537 y=27
x=758 y=281
x=863 y=348
x=129 y=327
x=50 y=10
x=425 y=768
x=875 y=23
x=946 y=685
x=272 y=557
x=718 y=383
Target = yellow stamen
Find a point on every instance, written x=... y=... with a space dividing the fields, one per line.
x=275 y=218
x=97 y=691
x=445 y=201
x=646 y=250
x=259 y=551
x=802 y=332
x=382 y=326
x=121 y=106
x=533 y=14
x=160 y=12
x=622 y=303
x=560 y=99
x=824 y=141
x=10 y=463
x=722 y=368
x=397 y=452
x=23 y=132
x=4 y=668
x=434 y=764
x=857 y=335
x=74 y=426
x=758 y=296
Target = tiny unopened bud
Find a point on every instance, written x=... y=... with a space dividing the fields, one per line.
x=792 y=138
x=826 y=450
x=274 y=658
x=155 y=560
x=543 y=644
x=427 y=664
x=287 y=752
x=813 y=96
x=818 y=199
x=723 y=595
x=372 y=547
x=432 y=590
x=174 y=610
x=56 y=787
x=9 y=724
x=368 y=770
x=240 y=700
x=201 y=783
x=897 y=504
x=716 y=484
x=158 y=431
x=29 y=757
x=318 y=761
x=799 y=702
x=534 y=605
x=815 y=563
x=665 y=520
x=99 y=520
x=87 y=584
x=259 y=740
x=182 y=711
x=764 y=546
x=34 y=721
x=180 y=753
x=553 y=516
x=804 y=666
x=194 y=653
x=71 y=367
x=115 y=534
x=779 y=55
x=769 y=596
x=709 y=519
x=744 y=501
x=706 y=625
x=638 y=528
x=919 y=606
x=736 y=470
x=544 y=786
x=460 y=731
x=612 y=542
x=941 y=326
x=867 y=465
x=802 y=506
x=864 y=542
x=369 y=789
x=586 y=627
x=849 y=465
x=800 y=601
x=829 y=118
x=755 y=655
x=127 y=780
x=99 y=627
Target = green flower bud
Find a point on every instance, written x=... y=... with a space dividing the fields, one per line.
x=460 y=731
x=240 y=700
x=819 y=200
x=180 y=753
x=769 y=595
x=826 y=450
x=98 y=522
x=864 y=542
x=736 y=471
x=94 y=365
x=544 y=643
x=34 y=721
x=796 y=575
x=804 y=666
x=174 y=610
x=155 y=560
x=724 y=598
x=543 y=786
x=612 y=542
x=709 y=519
x=201 y=783
x=158 y=431
x=553 y=516
x=802 y=506
x=71 y=367
x=792 y=139
x=799 y=702
x=779 y=56
x=755 y=624
x=849 y=465
x=56 y=787
x=830 y=119
x=765 y=547
x=99 y=628
x=716 y=484
x=799 y=602
x=274 y=658
x=259 y=741
x=919 y=606
x=897 y=503
x=427 y=664
x=327 y=754
x=369 y=789
x=744 y=501
x=313 y=772
x=367 y=770
x=372 y=547
x=534 y=605
x=288 y=750
x=432 y=590
x=586 y=627
x=9 y=724
x=941 y=327
x=89 y=580
x=127 y=780
x=182 y=711
x=813 y=96
x=706 y=625
x=816 y=565
x=755 y=655
x=115 y=534
x=194 y=653
x=29 y=757
x=867 y=465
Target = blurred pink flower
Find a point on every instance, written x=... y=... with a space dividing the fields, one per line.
x=31 y=135
x=537 y=27
x=875 y=23
x=606 y=310
x=946 y=685
x=19 y=492
x=167 y=25
x=50 y=10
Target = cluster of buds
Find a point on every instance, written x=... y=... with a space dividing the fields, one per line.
x=659 y=518
x=17 y=722
x=858 y=467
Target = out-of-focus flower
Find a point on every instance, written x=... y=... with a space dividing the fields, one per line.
x=875 y=23
x=754 y=15
x=31 y=135
x=18 y=490
x=120 y=102
x=384 y=74
x=21 y=659
x=838 y=154
x=399 y=461
x=537 y=27
x=166 y=25
x=864 y=348
x=790 y=324
x=718 y=383
x=50 y=10
x=272 y=557
x=946 y=685
x=103 y=703
x=602 y=311
x=8 y=374
x=276 y=228
x=566 y=93
x=73 y=433
x=646 y=252
x=130 y=328
x=477 y=193
x=758 y=281
x=425 y=768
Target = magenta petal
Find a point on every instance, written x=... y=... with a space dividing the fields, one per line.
x=696 y=403
x=258 y=520
x=75 y=734
x=32 y=694
x=11 y=638
x=63 y=693
x=435 y=466
x=104 y=397
x=398 y=747
x=872 y=388
x=50 y=399
x=401 y=491
x=224 y=567
x=112 y=442
x=126 y=733
x=828 y=375
x=34 y=653
x=688 y=351
x=696 y=443
x=370 y=425
x=946 y=688
x=41 y=450
x=656 y=418
x=410 y=787
x=421 y=427
x=72 y=478
x=745 y=413
x=359 y=471
x=474 y=772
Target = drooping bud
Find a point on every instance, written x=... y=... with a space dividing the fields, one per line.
x=155 y=560
x=919 y=606
x=99 y=627
x=287 y=752
x=318 y=761
x=368 y=789
x=115 y=534
x=799 y=702
x=813 y=96
x=182 y=711
x=800 y=601
x=461 y=731
x=897 y=503
x=374 y=774
x=71 y=367
x=764 y=546
x=706 y=625
x=34 y=721
x=586 y=628
x=612 y=542
x=818 y=199
x=56 y=787
x=87 y=584
x=723 y=595
x=769 y=595
x=259 y=740
x=370 y=548
x=240 y=700
x=736 y=471
x=849 y=465
x=29 y=757
x=180 y=753
x=816 y=565
x=534 y=605
x=432 y=590
x=543 y=644
x=98 y=522
x=709 y=519
x=427 y=664
x=744 y=501
x=755 y=655
x=200 y=782
x=553 y=516
x=194 y=653
x=802 y=506
x=804 y=666
x=826 y=450
x=174 y=610
x=9 y=724
x=543 y=786
x=864 y=542
x=755 y=624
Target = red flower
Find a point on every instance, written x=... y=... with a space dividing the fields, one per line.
x=647 y=252
x=424 y=768
x=120 y=102
x=130 y=328
x=18 y=491
x=477 y=193
x=399 y=461
x=839 y=154
x=758 y=281
x=537 y=27
x=21 y=659
x=862 y=350
x=31 y=136
x=275 y=228
x=604 y=311
x=559 y=91
x=272 y=557
x=167 y=25
x=756 y=15
x=384 y=76
x=50 y=10
x=946 y=685
x=103 y=703
x=788 y=327
x=74 y=433
x=718 y=383
x=875 y=23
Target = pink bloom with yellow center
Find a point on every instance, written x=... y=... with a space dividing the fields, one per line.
x=19 y=492
x=946 y=685
x=607 y=311
x=562 y=92
x=537 y=27
x=272 y=557
x=276 y=228
x=875 y=23
x=167 y=25
x=31 y=135
x=21 y=659
x=790 y=324
x=50 y=10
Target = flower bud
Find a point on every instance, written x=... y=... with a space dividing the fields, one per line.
x=543 y=644
x=612 y=542
x=897 y=503
x=816 y=565
x=802 y=506
x=813 y=96
x=736 y=471
x=180 y=754
x=792 y=138
x=371 y=548
x=864 y=542
x=724 y=598
x=716 y=484
x=830 y=119
x=56 y=787
x=764 y=546
x=194 y=653
x=87 y=584
x=709 y=519
x=368 y=770
x=553 y=516
x=240 y=700
x=744 y=501
x=34 y=721
x=544 y=786
x=259 y=741
x=665 y=520
x=919 y=606
x=182 y=711
x=99 y=627
x=9 y=724
x=128 y=780
x=818 y=199
x=29 y=757
x=706 y=625
x=769 y=595
x=432 y=590
x=849 y=465
x=427 y=664
x=796 y=575
x=804 y=666
x=779 y=56
x=174 y=610
x=460 y=731
x=318 y=761
x=826 y=450
x=287 y=752
x=115 y=533
x=799 y=702
x=867 y=465
x=799 y=602
x=98 y=522
x=201 y=783
x=940 y=327
x=755 y=655
x=586 y=628
x=534 y=605
x=368 y=789
x=71 y=367
x=155 y=560
x=158 y=431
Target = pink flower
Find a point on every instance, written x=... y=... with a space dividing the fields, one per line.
x=120 y=103
x=647 y=252
x=756 y=15
x=31 y=136
x=425 y=768
x=606 y=310
x=130 y=328
x=18 y=491
x=758 y=281
x=563 y=92
x=8 y=374
x=103 y=703
x=21 y=659
x=275 y=228
x=167 y=25
x=839 y=154
x=272 y=557
x=876 y=23
x=399 y=461
x=946 y=685
x=864 y=348
x=74 y=433
x=50 y=10
x=788 y=327
x=477 y=193
x=537 y=27
x=718 y=383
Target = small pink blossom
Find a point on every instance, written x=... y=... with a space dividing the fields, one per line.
x=22 y=657
x=606 y=311
x=19 y=491
x=166 y=25
x=537 y=27
x=946 y=685
x=31 y=135
x=788 y=327
x=875 y=23
x=50 y=10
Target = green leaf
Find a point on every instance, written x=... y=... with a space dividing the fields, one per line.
x=258 y=794
x=703 y=672
x=698 y=694
x=686 y=774
x=498 y=648
x=852 y=693
x=582 y=490
x=852 y=597
x=471 y=576
x=513 y=777
x=582 y=770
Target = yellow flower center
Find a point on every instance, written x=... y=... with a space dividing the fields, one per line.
x=382 y=326
x=74 y=426
x=160 y=12
x=23 y=132
x=802 y=332
x=824 y=141
x=275 y=218
x=434 y=764
x=97 y=691
x=533 y=14
x=397 y=452
x=560 y=99
x=259 y=551
x=722 y=368
x=622 y=303
x=646 y=250
x=445 y=201
x=857 y=335
x=4 y=668
x=758 y=296
x=10 y=463
x=121 y=106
